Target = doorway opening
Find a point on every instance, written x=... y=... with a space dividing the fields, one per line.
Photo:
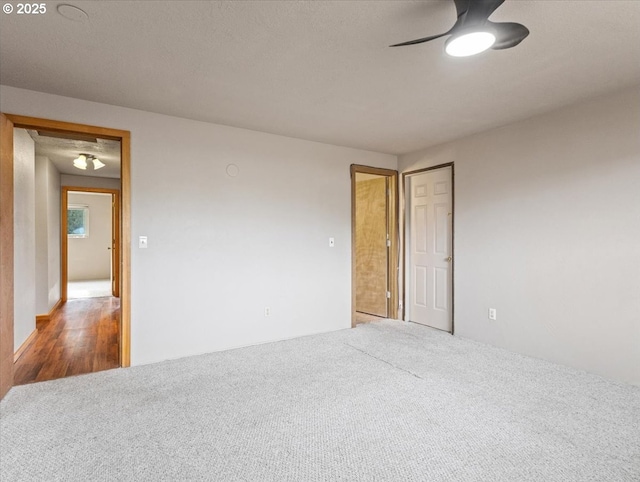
x=91 y=246
x=374 y=253
x=428 y=246
x=14 y=342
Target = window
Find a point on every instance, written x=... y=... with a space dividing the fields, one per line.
x=78 y=221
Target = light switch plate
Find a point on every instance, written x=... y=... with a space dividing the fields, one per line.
x=142 y=242
x=332 y=242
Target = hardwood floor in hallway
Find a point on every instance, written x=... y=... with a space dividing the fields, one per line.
x=82 y=337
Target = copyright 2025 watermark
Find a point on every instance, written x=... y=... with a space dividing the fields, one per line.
x=25 y=8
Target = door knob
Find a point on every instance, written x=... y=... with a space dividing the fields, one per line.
x=448 y=259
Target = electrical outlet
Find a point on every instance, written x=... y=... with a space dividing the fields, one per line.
x=267 y=311
x=493 y=315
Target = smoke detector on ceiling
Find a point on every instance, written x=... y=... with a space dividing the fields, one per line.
x=72 y=13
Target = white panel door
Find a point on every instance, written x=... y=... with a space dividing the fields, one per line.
x=428 y=270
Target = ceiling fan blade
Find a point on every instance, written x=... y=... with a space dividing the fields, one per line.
x=508 y=34
x=471 y=12
x=420 y=40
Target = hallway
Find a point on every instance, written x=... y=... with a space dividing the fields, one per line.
x=82 y=337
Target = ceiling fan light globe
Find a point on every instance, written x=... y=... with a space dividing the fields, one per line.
x=97 y=164
x=469 y=43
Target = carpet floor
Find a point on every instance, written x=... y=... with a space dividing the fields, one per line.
x=89 y=289
x=386 y=401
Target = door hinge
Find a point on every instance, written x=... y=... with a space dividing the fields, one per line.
x=388 y=243
x=388 y=294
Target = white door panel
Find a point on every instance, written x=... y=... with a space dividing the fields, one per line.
x=429 y=203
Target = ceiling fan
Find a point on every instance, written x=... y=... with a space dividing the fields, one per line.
x=473 y=32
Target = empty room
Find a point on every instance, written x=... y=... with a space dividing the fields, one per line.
x=320 y=240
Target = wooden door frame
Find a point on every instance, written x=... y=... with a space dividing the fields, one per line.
x=405 y=175
x=64 y=237
x=392 y=261
x=9 y=122
x=6 y=256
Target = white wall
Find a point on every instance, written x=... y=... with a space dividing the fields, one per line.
x=42 y=242
x=53 y=234
x=90 y=258
x=47 y=226
x=24 y=212
x=222 y=248
x=89 y=181
x=547 y=230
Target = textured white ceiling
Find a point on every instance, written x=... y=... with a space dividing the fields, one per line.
x=322 y=70
x=62 y=152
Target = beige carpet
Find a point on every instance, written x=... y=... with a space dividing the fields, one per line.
x=89 y=289
x=386 y=401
